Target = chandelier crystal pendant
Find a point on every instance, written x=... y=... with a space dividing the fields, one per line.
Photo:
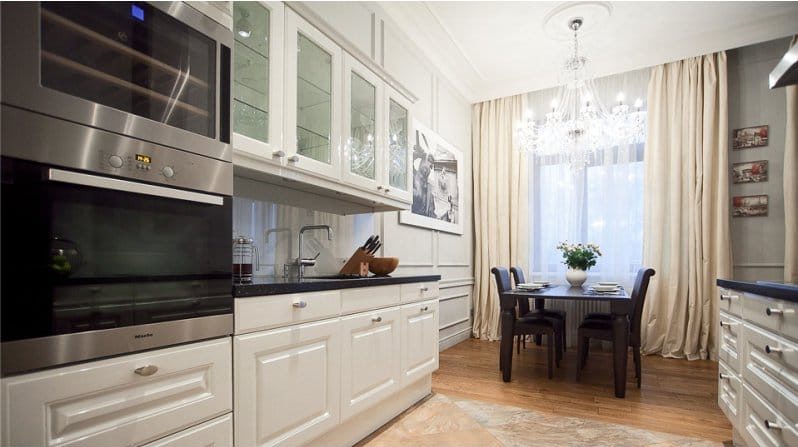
x=578 y=125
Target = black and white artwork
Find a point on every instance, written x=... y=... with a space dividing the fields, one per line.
x=437 y=183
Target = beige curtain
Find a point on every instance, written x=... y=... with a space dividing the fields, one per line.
x=500 y=205
x=791 y=184
x=686 y=205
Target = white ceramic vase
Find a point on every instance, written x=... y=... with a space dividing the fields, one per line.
x=576 y=277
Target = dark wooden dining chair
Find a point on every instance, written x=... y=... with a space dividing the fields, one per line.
x=540 y=304
x=599 y=326
x=530 y=325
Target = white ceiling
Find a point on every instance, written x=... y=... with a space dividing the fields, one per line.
x=491 y=49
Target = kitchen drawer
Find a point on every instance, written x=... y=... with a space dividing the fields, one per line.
x=418 y=291
x=778 y=316
x=763 y=425
x=773 y=374
x=266 y=312
x=731 y=329
x=731 y=301
x=729 y=392
x=107 y=403
x=214 y=433
x=366 y=298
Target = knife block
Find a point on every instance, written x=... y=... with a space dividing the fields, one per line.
x=358 y=264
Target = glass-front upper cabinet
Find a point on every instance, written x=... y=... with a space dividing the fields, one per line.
x=398 y=153
x=363 y=135
x=258 y=79
x=312 y=95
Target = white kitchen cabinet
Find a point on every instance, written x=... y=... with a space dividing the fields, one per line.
x=258 y=81
x=419 y=340
x=363 y=132
x=370 y=368
x=127 y=400
x=398 y=154
x=313 y=70
x=287 y=384
x=214 y=433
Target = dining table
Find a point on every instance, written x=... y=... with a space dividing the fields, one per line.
x=620 y=308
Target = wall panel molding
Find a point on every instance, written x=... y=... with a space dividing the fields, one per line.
x=448 y=283
x=454 y=323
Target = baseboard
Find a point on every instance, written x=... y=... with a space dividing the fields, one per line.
x=457 y=337
x=367 y=422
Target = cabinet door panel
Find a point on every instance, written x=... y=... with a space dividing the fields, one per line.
x=370 y=367
x=419 y=340
x=107 y=403
x=398 y=155
x=363 y=140
x=287 y=384
x=312 y=98
x=258 y=80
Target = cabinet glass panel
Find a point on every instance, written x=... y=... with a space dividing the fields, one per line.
x=314 y=100
x=251 y=78
x=132 y=57
x=397 y=145
x=363 y=122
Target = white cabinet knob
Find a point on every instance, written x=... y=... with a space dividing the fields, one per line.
x=379 y=188
x=146 y=370
x=300 y=304
x=294 y=159
x=425 y=308
x=424 y=289
x=376 y=319
x=278 y=154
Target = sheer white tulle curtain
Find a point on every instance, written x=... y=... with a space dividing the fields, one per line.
x=602 y=203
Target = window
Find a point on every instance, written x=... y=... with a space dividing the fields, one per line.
x=602 y=203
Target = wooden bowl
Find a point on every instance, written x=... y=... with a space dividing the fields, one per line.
x=383 y=266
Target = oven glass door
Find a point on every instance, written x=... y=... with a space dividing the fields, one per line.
x=78 y=258
x=132 y=57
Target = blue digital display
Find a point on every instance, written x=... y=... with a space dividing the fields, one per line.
x=137 y=12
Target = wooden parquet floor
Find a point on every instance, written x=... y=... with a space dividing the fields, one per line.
x=677 y=396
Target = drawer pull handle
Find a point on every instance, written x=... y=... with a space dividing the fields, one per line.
x=301 y=304
x=776 y=311
x=727 y=324
x=771 y=350
x=376 y=319
x=728 y=297
x=772 y=425
x=425 y=308
x=724 y=376
x=146 y=370
x=425 y=289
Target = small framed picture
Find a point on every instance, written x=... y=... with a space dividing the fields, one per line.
x=750 y=206
x=750 y=172
x=749 y=137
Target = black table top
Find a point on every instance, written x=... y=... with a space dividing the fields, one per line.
x=781 y=291
x=564 y=292
x=278 y=286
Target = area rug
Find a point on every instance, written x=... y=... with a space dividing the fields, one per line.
x=444 y=421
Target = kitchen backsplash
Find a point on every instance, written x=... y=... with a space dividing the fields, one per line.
x=275 y=230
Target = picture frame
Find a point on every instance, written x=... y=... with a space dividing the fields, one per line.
x=750 y=206
x=750 y=137
x=750 y=171
x=438 y=184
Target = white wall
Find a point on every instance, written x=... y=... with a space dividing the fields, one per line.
x=439 y=106
x=758 y=242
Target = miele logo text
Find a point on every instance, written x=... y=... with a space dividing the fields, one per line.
x=143 y=335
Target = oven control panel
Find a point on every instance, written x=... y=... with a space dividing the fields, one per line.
x=139 y=164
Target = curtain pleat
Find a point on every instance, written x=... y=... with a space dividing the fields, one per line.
x=791 y=184
x=686 y=205
x=500 y=205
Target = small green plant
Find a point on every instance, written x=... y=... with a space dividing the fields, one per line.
x=579 y=256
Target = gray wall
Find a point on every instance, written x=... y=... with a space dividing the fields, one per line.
x=758 y=242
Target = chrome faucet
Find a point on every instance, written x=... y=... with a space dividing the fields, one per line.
x=309 y=262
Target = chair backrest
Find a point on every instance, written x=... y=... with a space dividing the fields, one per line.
x=638 y=299
x=502 y=279
x=518 y=277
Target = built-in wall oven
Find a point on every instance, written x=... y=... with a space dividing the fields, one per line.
x=116 y=180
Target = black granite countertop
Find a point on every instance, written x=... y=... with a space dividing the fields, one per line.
x=277 y=286
x=764 y=288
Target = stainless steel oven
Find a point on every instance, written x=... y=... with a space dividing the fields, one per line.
x=158 y=72
x=117 y=181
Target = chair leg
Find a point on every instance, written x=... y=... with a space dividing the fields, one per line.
x=558 y=345
x=518 y=344
x=585 y=343
x=564 y=343
x=523 y=341
x=550 y=353
x=538 y=339
x=638 y=366
x=579 y=357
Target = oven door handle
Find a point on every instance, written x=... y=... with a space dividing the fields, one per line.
x=77 y=178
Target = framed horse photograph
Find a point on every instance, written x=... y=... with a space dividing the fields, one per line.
x=437 y=183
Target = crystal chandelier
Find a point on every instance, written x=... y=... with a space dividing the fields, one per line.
x=578 y=125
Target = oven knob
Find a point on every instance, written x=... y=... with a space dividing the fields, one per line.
x=168 y=171
x=115 y=161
